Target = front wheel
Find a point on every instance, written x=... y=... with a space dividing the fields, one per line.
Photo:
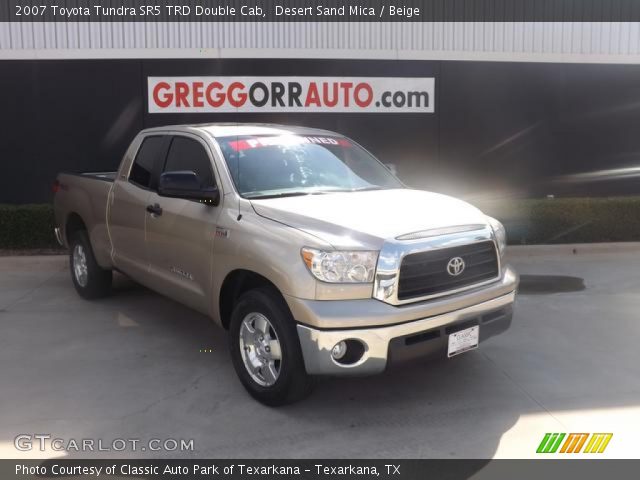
x=91 y=281
x=265 y=349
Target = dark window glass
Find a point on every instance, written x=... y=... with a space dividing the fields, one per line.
x=142 y=169
x=190 y=155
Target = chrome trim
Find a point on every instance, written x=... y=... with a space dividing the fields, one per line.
x=387 y=276
x=317 y=344
x=58 y=233
x=434 y=232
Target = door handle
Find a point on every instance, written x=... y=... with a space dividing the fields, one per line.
x=154 y=209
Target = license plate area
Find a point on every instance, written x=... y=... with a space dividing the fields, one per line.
x=463 y=341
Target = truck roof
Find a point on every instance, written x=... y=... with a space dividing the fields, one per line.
x=233 y=129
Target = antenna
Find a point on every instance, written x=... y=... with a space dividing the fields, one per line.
x=238 y=179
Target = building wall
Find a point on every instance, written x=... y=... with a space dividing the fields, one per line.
x=497 y=125
x=516 y=104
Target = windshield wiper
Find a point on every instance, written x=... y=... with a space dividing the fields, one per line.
x=299 y=193
x=359 y=189
x=283 y=195
x=364 y=189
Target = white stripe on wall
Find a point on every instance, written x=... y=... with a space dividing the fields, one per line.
x=608 y=42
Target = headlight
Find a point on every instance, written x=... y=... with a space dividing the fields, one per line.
x=341 y=266
x=500 y=233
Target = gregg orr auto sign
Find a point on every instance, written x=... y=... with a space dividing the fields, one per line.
x=290 y=94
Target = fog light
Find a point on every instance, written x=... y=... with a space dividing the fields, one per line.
x=348 y=352
x=339 y=350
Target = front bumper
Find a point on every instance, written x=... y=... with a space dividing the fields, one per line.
x=405 y=340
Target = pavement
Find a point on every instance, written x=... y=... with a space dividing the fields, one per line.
x=139 y=366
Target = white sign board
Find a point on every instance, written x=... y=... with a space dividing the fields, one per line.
x=291 y=94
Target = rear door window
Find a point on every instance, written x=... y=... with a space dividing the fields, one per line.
x=150 y=153
x=190 y=155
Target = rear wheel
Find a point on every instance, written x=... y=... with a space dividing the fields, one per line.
x=90 y=280
x=265 y=349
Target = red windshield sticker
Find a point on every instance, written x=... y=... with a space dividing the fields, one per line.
x=239 y=145
x=258 y=142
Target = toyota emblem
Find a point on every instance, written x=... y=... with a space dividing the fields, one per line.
x=455 y=266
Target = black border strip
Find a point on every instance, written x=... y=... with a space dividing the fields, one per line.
x=429 y=11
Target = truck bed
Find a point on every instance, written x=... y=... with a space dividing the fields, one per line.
x=86 y=194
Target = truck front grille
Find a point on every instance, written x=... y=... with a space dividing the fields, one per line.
x=425 y=273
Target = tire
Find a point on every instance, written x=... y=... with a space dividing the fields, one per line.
x=90 y=280
x=290 y=382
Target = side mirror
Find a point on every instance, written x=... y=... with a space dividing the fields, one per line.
x=186 y=184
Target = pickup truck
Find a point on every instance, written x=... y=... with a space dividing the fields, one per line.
x=298 y=241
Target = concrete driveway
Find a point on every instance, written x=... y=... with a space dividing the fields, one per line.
x=139 y=366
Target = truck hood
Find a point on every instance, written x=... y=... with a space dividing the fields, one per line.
x=366 y=219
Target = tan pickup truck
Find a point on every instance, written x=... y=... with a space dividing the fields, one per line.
x=298 y=241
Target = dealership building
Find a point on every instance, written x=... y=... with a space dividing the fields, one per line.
x=470 y=107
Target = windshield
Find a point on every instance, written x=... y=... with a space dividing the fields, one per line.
x=287 y=165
